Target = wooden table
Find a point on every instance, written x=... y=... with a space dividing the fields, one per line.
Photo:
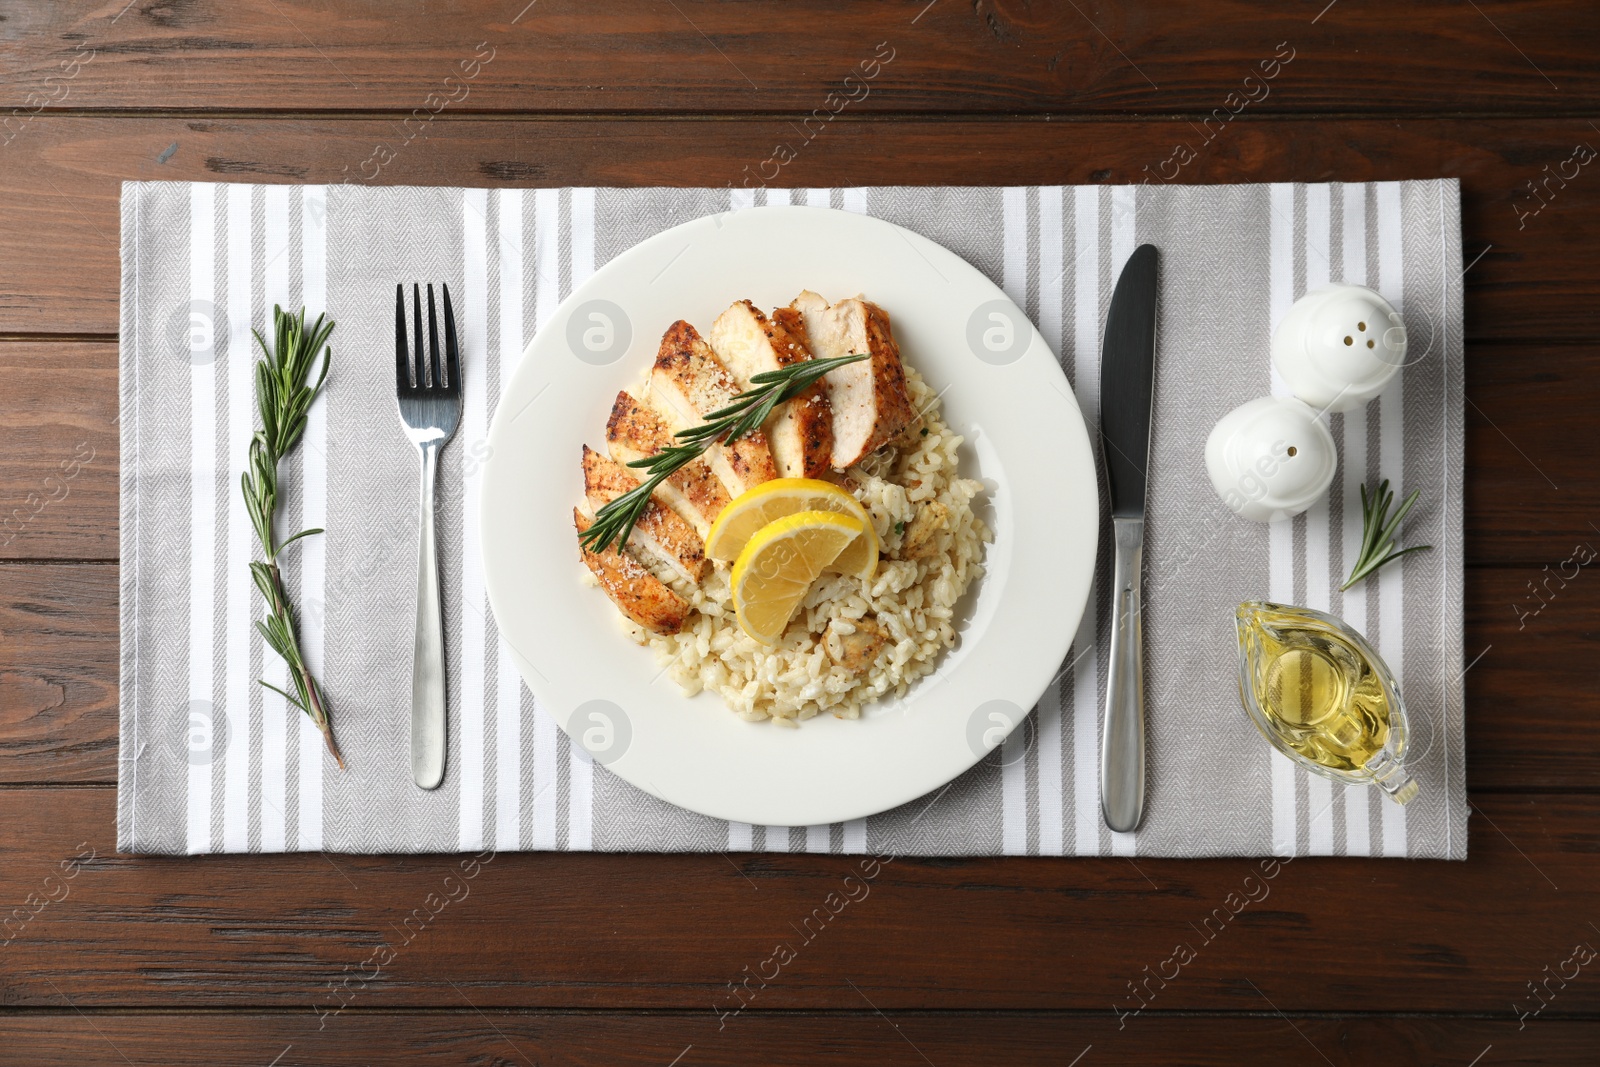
x=610 y=959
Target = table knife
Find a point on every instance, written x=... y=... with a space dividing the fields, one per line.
x=1127 y=385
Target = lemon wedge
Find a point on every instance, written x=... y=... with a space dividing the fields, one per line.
x=755 y=508
x=779 y=563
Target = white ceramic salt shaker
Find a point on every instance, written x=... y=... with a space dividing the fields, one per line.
x=1270 y=458
x=1339 y=346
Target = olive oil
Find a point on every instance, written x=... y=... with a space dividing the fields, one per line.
x=1318 y=691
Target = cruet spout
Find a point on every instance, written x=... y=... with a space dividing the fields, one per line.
x=1390 y=776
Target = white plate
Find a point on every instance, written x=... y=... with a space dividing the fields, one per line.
x=1026 y=441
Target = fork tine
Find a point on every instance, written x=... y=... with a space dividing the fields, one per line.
x=434 y=380
x=452 y=347
x=402 y=350
x=420 y=365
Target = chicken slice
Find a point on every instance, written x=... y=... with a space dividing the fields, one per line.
x=799 y=432
x=659 y=531
x=869 y=399
x=635 y=431
x=637 y=593
x=688 y=383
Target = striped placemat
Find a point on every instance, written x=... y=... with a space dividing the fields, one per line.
x=212 y=762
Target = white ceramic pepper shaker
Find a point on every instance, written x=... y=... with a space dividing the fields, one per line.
x=1336 y=349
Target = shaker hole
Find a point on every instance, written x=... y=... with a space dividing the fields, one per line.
x=1361 y=326
x=1349 y=340
x=1293 y=451
x=1372 y=344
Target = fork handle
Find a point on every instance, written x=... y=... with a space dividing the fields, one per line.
x=427 y=663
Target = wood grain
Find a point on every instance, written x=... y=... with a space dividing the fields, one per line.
x=58 y=674
x=1538 y=276
x=58 y=494
x=948 y=1039
x=694 y=55
x=321 y=933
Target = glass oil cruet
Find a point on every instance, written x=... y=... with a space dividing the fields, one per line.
x=1323 y=697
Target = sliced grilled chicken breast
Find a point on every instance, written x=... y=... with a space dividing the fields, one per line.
x=799 y=432
x=660 y=531
x=635 y=431
x=637 y=593
x=688 y=383
x=869 y=400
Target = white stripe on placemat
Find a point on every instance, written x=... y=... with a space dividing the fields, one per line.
x=580 y=802
x=201 y=727
x=472 y=303
x=818 y=197
x=1280 y=535
x=817 y=837
x=241 y=631
x=508 y=697
x=1352 y=472
x=1391 y=449
x=314 y=501
x=854 y=200
x=1319 y=594
x=1013 y=764
x=855 y=835
x=1124 y=239
x=1050 y=705
x=547 y=297
x=1086 y=383
x=275 y=711
x=741 y=836
x=776 y=838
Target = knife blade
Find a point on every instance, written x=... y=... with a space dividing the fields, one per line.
x=1127 y=389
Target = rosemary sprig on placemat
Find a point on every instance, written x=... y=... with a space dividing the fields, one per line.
x=746 y=413
x=1378 y=530
x=284 y=395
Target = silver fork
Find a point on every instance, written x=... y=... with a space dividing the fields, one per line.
x=430 y=408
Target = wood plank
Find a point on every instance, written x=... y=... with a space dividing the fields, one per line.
x=703 y=56
x=616 y=1039
x=1532 y=488
x=1531 y=494
x=58 y=673
x=1539 y=278
x=58 y=476
x=1534 y=631
x=319 y=933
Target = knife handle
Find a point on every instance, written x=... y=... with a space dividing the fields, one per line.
x=1122 y=739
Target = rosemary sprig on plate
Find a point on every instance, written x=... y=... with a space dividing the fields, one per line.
x=746 y=413
x=284 y=392
x=1378 y=530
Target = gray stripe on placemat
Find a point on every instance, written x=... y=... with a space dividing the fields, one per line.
x=1209 y=558
x=227 y=498
x=155 y=451
x=402 y=235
